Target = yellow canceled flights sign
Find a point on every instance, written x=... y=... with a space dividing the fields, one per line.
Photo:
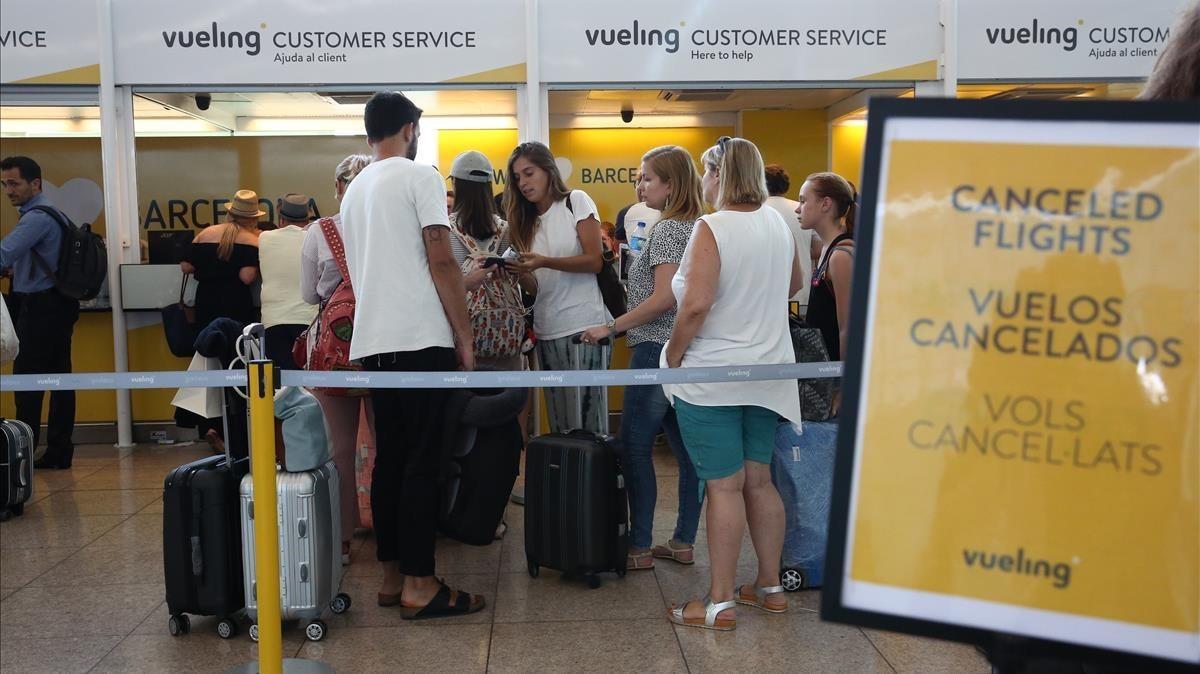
x=1023 y=409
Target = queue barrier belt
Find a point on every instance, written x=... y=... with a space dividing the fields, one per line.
x=85 y=381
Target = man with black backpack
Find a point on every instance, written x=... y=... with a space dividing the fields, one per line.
x=45 y=317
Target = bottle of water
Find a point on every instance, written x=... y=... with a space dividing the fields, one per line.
x=637 y=240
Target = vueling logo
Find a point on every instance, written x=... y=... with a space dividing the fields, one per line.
x=637 y=36
x=1067 y=37
x=215 y=38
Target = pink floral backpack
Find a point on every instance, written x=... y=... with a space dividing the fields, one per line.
x=495 y=307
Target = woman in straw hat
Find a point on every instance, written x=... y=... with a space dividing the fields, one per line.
x=224 y=260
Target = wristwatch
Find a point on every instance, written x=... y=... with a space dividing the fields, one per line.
x=612 y=326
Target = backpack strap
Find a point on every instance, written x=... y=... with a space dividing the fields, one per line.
x=58 y=216
x=336 y=246
x=63 y=223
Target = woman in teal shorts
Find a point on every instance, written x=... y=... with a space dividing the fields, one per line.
x=732 y=289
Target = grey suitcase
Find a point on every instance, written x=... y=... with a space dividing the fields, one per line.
x=16 y=467
x=310 y=548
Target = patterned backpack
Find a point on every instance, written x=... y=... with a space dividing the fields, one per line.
x=496 y=308
x=334 y=325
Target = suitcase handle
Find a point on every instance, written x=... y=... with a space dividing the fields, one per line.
x=196 y=548
x=576 y=347
x=23 y=470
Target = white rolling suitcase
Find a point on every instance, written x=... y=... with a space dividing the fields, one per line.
x=310 y=548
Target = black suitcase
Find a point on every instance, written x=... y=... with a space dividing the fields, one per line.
x=16 y=469
x=483 y=445
x=202 y=529
x=202 y=541
x=576 y=514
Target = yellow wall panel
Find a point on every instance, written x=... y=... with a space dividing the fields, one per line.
x=796 y=139
x=847 y=151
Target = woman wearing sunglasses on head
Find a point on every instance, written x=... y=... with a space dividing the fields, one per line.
x=733 y=285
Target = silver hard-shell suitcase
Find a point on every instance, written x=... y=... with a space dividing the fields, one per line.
x=310 y=548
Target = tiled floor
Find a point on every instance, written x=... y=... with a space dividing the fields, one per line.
x=81 y=590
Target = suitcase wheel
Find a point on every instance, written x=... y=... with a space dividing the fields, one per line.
x=533 y=569
x=254 y=633
x=227 y=629
x=593 y=581
x=315 y=630
x=5 y=515
x=621 y=571
x=340 y=603
x=179 y=624
x=792 y=580
x=18 y=509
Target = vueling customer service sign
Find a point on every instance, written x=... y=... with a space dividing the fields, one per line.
x=415 y=41
x=1021 y=441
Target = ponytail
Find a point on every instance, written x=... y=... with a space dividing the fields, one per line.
x=228 y=238
x=852 y=210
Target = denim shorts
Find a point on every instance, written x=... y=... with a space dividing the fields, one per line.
x=721 y=439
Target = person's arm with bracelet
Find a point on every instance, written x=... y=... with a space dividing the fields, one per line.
x=704 y=271
x=591 y=261
x=660 y=302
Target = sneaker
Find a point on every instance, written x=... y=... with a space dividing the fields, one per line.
x=518 y=495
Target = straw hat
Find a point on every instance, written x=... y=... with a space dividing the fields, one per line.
x=245 y=205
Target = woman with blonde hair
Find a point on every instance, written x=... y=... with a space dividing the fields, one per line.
x=733 y=285
x=669 y=185
x=557 y=233
x=319 y=277
x=224 y=260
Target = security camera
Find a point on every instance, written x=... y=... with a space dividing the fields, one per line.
x=203 y=101
x=627 y=115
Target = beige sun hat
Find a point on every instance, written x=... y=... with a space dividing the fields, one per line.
x=245 y=205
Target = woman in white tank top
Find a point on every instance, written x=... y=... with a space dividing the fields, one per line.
x=732 y=289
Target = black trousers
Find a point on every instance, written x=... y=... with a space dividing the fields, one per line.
x=280 y=339
x=45 y=322
x=408 y=446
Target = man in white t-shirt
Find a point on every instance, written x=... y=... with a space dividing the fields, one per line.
x=778 y=183
x=410 y=315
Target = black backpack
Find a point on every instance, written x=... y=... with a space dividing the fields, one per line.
x=611 y=290
x=82 y=259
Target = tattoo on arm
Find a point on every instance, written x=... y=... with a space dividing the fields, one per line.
x=434 y=233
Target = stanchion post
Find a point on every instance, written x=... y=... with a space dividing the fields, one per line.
x=266 y=507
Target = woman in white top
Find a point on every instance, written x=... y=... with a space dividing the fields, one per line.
x=319 y=277
x=732 y=288
x=558 y=235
